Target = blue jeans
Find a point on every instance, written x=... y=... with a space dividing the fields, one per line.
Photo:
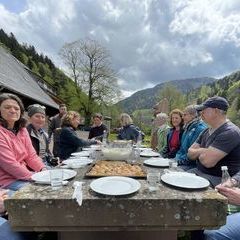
x=17 y=185
x=230 y=231
x=6 y=233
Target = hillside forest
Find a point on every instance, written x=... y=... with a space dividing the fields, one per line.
x=77 y=98
x=69 y=91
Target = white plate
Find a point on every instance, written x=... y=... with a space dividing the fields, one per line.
x=115 y=186
x=157 y=162
x=149 y=154
x=96 y=147
x=144 y=149
x=81 y=154
x=44 y=176
x=83 y=161
x=86 y=149
x=78 y=158
x=185 y=180
x=142 y=146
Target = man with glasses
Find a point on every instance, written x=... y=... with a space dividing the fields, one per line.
x=218 y=145
x=193 y=126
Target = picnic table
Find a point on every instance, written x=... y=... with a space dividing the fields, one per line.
x=142 y=215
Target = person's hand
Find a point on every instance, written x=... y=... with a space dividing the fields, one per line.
x=232 y=194
x=43 y=169
x=55 y=161
x=3 y=195
x=98 y=142
x=49 y=140
x=229 y=183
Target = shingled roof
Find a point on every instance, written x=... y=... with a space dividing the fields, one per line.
x=14 y=77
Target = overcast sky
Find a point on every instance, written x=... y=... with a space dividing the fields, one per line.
x=150 y=41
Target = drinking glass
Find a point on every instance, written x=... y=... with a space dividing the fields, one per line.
x=173 y=165
x=153 y=178
x=56 y=178
x=134 y=156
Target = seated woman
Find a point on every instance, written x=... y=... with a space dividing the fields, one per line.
x=128 y=131
x=39 y=137
x=18 y=159
x=174 y=134
x=98 y=128
x=69 y=141
x=161 y=123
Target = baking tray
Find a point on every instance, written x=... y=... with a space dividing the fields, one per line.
x=88 y=173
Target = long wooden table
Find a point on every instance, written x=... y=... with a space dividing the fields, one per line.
x=143 y=215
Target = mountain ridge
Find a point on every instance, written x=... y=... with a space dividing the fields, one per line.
x=146 y=98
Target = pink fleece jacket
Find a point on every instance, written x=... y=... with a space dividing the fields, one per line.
x=17 y=156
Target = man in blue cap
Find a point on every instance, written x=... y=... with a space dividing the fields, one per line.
x=218 y=145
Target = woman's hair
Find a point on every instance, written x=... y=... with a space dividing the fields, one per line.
x=191 y=110
x=125 y=119
x=67 y=119
x=19 y=123
x=162 y=116
x=98 y=115
x=179 y=112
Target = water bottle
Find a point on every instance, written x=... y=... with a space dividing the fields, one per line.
x=139 y=140
x=225 y=175
x=104 y=139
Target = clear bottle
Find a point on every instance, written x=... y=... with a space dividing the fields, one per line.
x=139 y=140
x=225 y=175
x=104 y=139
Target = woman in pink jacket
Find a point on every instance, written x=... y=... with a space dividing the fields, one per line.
x=18 y=159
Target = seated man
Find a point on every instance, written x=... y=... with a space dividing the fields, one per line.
x=218 y=145
x=193 y=126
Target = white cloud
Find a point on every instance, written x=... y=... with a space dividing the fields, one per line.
x=150 y=41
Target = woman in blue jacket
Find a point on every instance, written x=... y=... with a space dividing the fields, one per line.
x=129 y=131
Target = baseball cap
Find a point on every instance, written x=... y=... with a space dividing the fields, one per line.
x=214 y=102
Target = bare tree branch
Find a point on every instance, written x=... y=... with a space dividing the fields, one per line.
x=90 y=67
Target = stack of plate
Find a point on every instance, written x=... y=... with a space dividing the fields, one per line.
x=157 y=162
